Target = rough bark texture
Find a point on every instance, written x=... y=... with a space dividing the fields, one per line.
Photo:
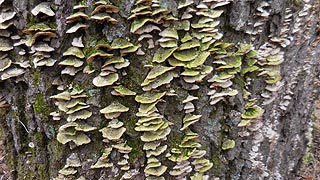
x=272 y=147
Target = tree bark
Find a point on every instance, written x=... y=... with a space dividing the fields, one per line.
x=271 y=146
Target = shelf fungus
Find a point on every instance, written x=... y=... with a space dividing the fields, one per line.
x=102 y=12
x=251 y=112
x=122 y=91
x=147 y=16
x=188 y=157
x=113 y=131
x=158 y=76
x=43 y=8
x=103 y=161
x=74 y=132
x=113 y=110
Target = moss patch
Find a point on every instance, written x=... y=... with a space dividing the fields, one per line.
x=40 y=105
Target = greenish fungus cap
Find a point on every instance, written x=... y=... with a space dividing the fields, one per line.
x=65 y=95
x=123 y=91
x=101 y=81
x=82 y=114
x=73 y=161
x=211 y=13
x=79 y=138
x=162 y=54
x=128 y=50
x=44 y=8
x=169 y=33
x=154 y=136
x=104 y=17
x=151 y=145
x=5 y=45
x=159 y=150
x=67 y=171
x=194 y=43
x=103 y=161
x=115 y=124
x=157 y=71
x=153 y=127
x=112 y=134
x=74 y=62
x=186 y=55
x=114 y=60
x=105 y=8
x=156 y=171
x=74 y=51
x=76 y=16
x=77 y=27
x=149 y=97
x=169 y=44
x=84 y=127
x=199 y=60
x=185 y=3
x=137 y=24
x=198 y=154
x=114 y=107
x=121 y=43
x=122 y=148
x=252 y=112
x=228 y=144
x=99 y=53
x=77 y=108
x=43 y=47
x=5 y=64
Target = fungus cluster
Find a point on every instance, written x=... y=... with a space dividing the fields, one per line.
x=155 y=130
x=72 y=103
x=147 y=17
x=10 y=67
x=112 y=135
x=261 y=17
x=70 y=168
x=113 y=54
x=40 y=34
x=73 y=57
x=102 y=12
x=189 y=157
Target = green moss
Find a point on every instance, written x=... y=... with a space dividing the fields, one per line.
x=215 y=159
x=36 y=78
x=136 y=145
x=40 y=106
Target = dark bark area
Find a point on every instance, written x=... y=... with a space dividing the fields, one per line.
x=271 y=147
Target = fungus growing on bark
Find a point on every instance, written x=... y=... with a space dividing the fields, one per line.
x=103 y=161
x=228 y=144
x=122 y=91
x=44 y=8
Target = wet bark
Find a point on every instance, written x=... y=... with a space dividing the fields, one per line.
x=272 y=147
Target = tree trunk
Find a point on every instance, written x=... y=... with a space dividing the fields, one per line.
x=252 y=98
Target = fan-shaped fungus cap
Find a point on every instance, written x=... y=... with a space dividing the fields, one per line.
x=74 y=51
x=12 y=72
x=162 y=54
x=44 y=8
x=6 y=16
x=77 y=27
x=74 y=62
x=149 y=97
x=114 y=107
x=123 y=91
x=112 y=134
x=73 y=161
x=103 y=160
x=5 y=63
